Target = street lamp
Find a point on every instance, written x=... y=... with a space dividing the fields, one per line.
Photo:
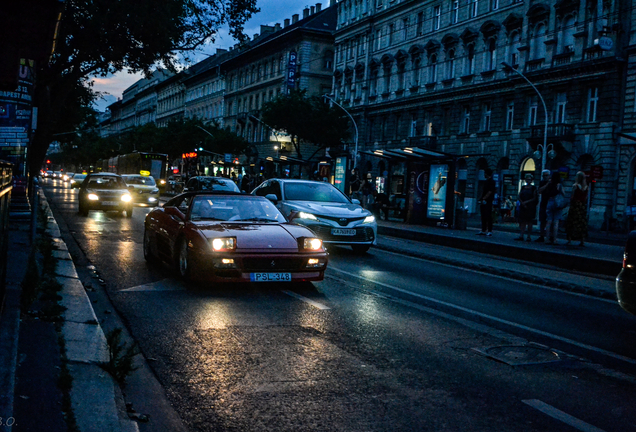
x=543 y=147
x=355 y=126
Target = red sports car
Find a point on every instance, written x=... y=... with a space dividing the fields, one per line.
x=232 y=237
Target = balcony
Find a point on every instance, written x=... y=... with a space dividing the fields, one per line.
x=556 y=132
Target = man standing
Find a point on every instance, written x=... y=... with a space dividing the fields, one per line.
x=543 y=204
x=487 y=196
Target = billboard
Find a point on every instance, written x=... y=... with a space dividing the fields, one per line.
x=438 y=181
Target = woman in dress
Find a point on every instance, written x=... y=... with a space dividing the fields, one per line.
x=527 y=207
x=553 y=191
x=576 y=224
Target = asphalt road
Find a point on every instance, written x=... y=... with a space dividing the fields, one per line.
x=386 y=342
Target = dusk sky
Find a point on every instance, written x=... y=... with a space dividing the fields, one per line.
x=272 y=12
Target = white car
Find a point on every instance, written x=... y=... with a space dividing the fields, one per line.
x=329 y=213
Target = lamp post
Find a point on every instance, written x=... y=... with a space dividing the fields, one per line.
x=355 y=126
x=545 y=116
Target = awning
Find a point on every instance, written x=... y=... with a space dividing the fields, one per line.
x=408 y=153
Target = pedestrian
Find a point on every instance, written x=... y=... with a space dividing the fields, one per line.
x=527 y=207
x=367 y=196
x=555 y=197
x=576 y=223
x=543 y=204
x=355 y=184
x=486 y=199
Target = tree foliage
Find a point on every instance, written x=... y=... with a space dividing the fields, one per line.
x=101 y=37
x=306 y=119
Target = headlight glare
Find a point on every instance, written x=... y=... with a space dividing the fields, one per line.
x=223 y=244
x=126 y=198
x=369 y=219
x=313 y=244
x=303 y=215
x=93 y=197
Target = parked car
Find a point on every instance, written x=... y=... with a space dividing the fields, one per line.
x=76 y=180
x=143 y=189
x=626 y=279
x=232 y=237
x=324 y=209
x=104 y=191
x=210 y=183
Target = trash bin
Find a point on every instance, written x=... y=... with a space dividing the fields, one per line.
x=461 y=218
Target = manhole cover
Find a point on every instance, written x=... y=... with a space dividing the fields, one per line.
x=516 y=355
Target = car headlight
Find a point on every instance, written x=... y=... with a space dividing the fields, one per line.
x=154 y=191
x=223 y=244
x=312 y=244
x=315 y=263
x=93 y=197
x=303 y=215
x=163 y=182
x=369 y=219
x=126 y=197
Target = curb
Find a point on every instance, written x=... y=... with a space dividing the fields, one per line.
x=94 y=393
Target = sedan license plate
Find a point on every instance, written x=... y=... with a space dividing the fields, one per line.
x=270 y=277
x=110 y=203
x=343 y=232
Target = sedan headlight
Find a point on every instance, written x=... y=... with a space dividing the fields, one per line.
x=154 y=191
x=126 y=198
x=224 y=244
x=312 y=244
x=93 y=197
x=162 y=181
x=369 y=219
x=303 y=215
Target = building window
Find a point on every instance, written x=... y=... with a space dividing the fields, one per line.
x=473 y=7
x=405 y=28
x=415 y=79
x=387 y=78
x=494 y=5
x=592 y=103
x=470 y=60
x=491 y=59
x=450 y=72
x=389 y=36
x=420 y=24
x=561 y=102
x=373 y=85
x=378 y=40
x=437 y=17
x=515 y=42
x=510 y=115
x=401 y=67
x=464 y=127
x=454 y=18
x=432 y=72
x=532 y=113
x=538 y=42
x=486 y=117
x=567 y=35
x=413 y=131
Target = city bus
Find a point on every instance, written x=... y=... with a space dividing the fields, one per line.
x=154 y=164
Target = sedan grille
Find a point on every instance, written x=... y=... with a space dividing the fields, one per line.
x=364 y=234
x=341 y=221
x=273 y=264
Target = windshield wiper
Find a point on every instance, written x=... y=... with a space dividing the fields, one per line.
x=257 y=219
x=207 y=218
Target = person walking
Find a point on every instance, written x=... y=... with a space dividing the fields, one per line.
x=355 y=184
x=555 y=197
x=486 y=199
x=543 y=204
x=576 y=223
x=527 y=207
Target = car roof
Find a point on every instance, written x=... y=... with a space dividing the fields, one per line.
x=286 y=180
x=103 y=174
x=215 y=193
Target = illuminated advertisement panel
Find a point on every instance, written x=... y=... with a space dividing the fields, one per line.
x=437 y=191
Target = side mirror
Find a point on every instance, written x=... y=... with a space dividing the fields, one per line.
x=174 y=212
x=355 y=201
x=272 y=197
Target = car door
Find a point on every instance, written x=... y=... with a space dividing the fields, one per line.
x=169 y=227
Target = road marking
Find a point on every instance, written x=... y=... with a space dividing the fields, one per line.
x=499 y=320
x=561 y=416
x=306 y=300
x=162 y=285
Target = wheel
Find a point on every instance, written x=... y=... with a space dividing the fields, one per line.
x=148 y=256
x=129 y=212
x=183 y=262
x=360 y=248
x=83 y=211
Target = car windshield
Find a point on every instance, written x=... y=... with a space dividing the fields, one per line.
x=237 y=208
x=140 y=180
x=218 y=184
x=79 y=176
x=305 y=191
x=106 y=183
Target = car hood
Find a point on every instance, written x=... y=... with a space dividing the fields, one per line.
x=332 y=209
x=143 y=187
x=252 y=236
x=108 y=191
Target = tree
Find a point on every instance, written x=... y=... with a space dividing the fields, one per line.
x=306 y=119
x=100 y=37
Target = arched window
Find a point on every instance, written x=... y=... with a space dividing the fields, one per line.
x=491 y=55
x=373 y=85
x=401 y=67
x=387 y=78
x=470 y=60
x=415 y=73
x=567 y=35
x=450 y=69
x=513 y=50
x=432 y=69
x=538 y=42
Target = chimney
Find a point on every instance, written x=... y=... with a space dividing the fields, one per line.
x=221 y=50
x=286 y=22
x=265 y=30
x=305 y=12
x=294 y=18
x=277 y=27
x=318 y=7
x=255 y=36
x=313 y=10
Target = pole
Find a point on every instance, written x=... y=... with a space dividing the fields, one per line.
x=545 y=114
x=355 y=126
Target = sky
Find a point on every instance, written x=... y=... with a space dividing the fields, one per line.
x=272 y=12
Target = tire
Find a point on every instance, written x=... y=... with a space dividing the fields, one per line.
x=183 y=261
x=148 y=256
x=129 y=212
x=360 y=249
x=83 y=211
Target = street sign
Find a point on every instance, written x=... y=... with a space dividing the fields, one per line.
x=596 y=172
x=228 y=157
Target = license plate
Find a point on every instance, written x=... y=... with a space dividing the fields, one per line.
x=343 y=232
x=110 y=203
x=270 y=277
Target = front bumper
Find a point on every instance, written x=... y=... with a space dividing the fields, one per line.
x=364 y=234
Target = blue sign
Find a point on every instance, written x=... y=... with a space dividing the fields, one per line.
x=340 y=176
x=291 y=70
x=437 y=183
